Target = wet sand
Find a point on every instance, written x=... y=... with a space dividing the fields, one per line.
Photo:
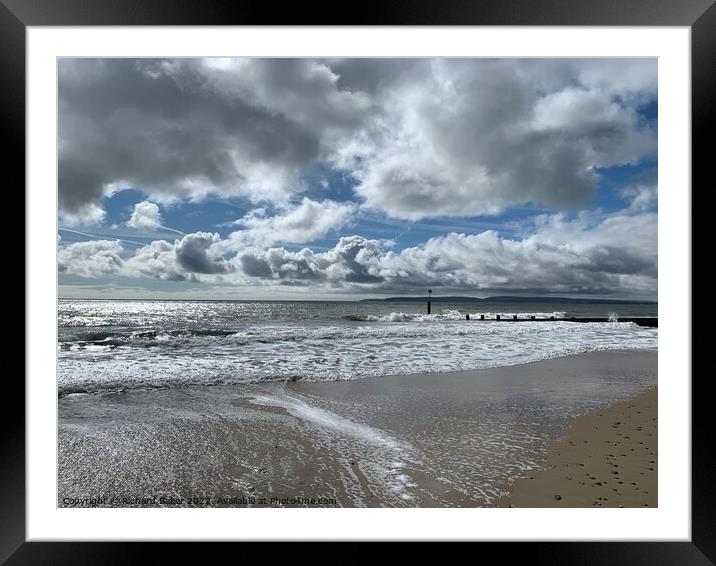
x=457 y=439
x=607 y=459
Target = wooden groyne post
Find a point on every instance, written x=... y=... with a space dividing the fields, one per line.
x=430 y=292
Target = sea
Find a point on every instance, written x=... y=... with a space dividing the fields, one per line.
x=206 y=403
x=125 y=345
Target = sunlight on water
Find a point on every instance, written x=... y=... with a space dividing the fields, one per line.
x=120 y=345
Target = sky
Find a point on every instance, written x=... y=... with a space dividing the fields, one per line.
x=304 y=179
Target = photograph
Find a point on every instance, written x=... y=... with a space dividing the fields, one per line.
x=375 y=282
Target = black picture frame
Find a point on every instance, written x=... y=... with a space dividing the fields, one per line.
x=17 y=15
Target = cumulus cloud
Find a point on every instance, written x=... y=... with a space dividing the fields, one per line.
x=589 y=253
x=421 y=137
x=305 y=90
x=90 y=259
x=194 y=253
x=187 y=259
x=277 y=264
x=157 y=260
x=464 y=137
x=186 y=128
x=88 y=214
x=354 y=260
x=145 y=216
x=305 y=222
x=347 y=263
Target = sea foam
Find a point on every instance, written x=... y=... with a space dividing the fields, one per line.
x=118 y=346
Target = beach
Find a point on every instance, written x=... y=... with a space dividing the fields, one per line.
x=451 y=439
x=608 y=458
x=398 y=282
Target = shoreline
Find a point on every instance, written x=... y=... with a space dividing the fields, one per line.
x=607 y=458
x=449 y=439
x=292 y=381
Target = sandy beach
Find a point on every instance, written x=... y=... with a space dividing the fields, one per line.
x=454 y=439
x=608 y=458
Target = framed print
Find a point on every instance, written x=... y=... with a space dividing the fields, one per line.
x=297 y=277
